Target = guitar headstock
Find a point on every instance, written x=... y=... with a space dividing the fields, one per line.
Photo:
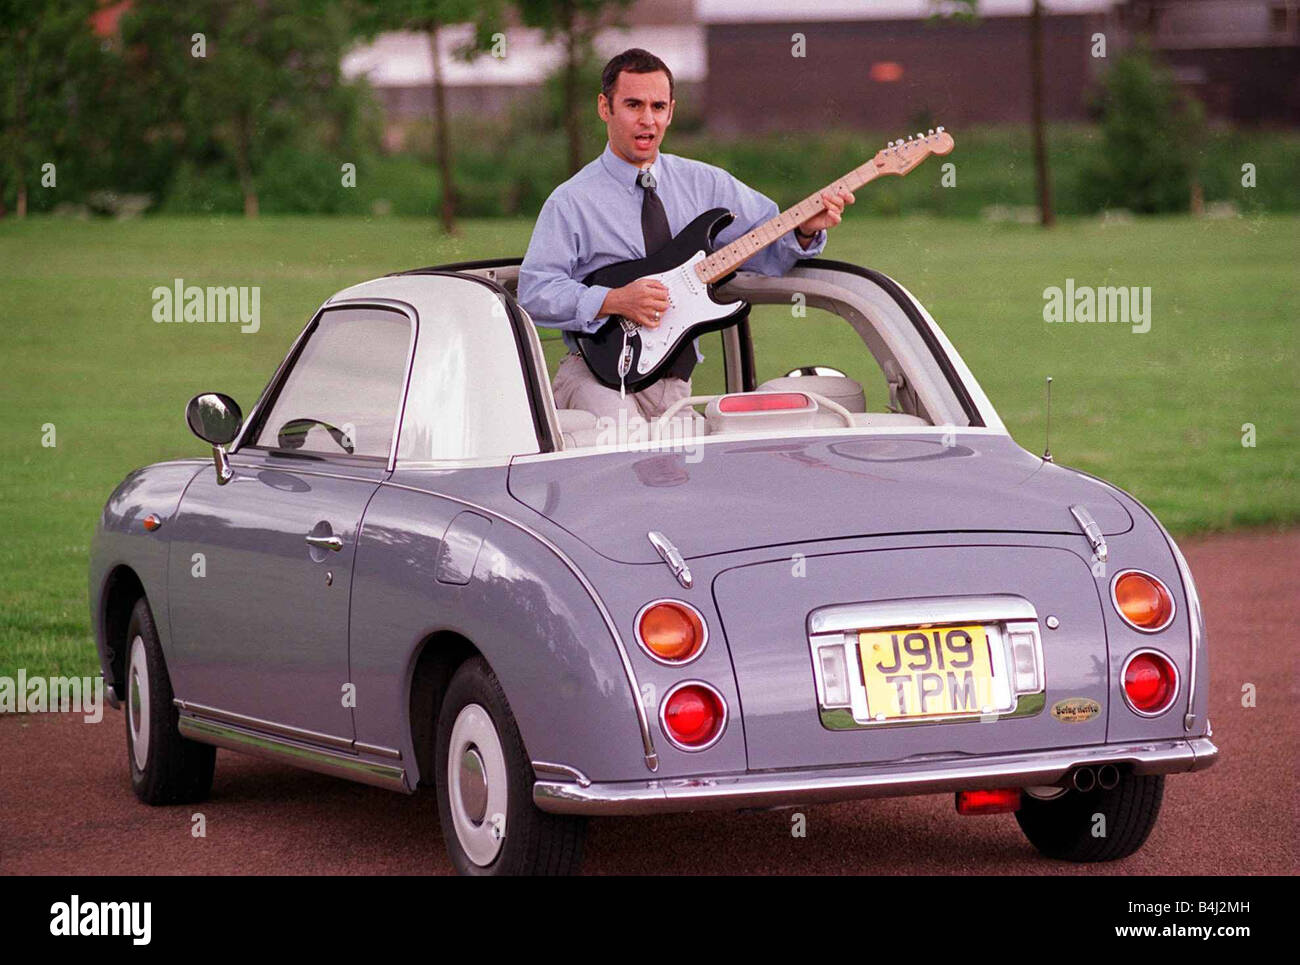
x=899 y=157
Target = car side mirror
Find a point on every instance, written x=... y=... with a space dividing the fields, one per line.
x=216 y=419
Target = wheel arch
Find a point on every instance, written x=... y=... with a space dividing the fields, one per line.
x=434 y=661
x=122 y=588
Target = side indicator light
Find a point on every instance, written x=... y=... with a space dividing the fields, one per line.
x=152 y=522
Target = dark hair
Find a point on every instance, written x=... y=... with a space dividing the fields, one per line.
x=634 y=61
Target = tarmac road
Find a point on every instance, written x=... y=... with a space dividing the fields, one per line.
x=66 y=805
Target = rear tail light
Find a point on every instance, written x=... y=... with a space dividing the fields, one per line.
x=693 y=715
x=671 y=631
x=1142 y=600
x=763 y=402
x=1150 y=682
x=997 y=801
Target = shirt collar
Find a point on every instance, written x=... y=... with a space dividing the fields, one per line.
x=624 y=172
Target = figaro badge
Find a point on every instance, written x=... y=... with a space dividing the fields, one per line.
x=1075 y=710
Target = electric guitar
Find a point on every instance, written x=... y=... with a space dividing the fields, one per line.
x=624 y=355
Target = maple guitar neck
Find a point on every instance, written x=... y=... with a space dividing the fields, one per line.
x=898 y=158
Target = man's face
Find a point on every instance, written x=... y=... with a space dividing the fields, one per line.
x=637 y=115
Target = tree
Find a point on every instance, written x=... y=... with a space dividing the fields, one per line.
x=1151 y=136
x=574 y=23
x=233 y=78
x=49 y=62
x=1046 y=213
x=429 y=17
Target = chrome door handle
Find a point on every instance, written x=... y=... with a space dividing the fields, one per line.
x=325 y=542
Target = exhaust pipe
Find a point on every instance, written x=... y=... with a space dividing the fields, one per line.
x=1107 y=777
x=1085 y=779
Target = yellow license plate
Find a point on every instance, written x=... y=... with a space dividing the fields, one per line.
x=926 y=672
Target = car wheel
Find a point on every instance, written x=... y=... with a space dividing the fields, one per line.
x=485 y=787
x=166 y=768
x=1097 y=825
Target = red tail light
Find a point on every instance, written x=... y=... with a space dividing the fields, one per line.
x=1150 y=682
x=763 y=402
x=693 y=716
x=997 y=801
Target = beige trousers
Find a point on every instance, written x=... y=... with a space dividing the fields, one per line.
x=575 y=387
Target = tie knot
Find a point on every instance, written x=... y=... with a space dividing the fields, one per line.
x=646 y=180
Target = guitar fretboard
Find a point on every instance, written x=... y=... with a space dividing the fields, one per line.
x=727 y=259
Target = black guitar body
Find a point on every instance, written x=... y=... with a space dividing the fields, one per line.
x=603 y=349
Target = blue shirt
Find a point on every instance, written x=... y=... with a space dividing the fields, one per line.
x=594 y=219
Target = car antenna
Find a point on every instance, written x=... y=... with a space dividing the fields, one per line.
x=1047 y=447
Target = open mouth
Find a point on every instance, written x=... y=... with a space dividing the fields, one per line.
x=644 y=140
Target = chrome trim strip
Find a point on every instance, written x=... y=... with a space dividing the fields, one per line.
x=1096 y=539
x=324 y=762
x=1173 y=603
x=266 y=726
x=919 y=612
x=643 y=719
x=377 y=750
x=893 y=779
x=672 y=556
x=1196 y=622
x=636 y=632
x=564 y=770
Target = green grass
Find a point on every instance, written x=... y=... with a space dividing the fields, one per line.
x=1159 y=414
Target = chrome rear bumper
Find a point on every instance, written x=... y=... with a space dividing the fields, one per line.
x=895 y=779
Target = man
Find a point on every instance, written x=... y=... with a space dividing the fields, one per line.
x=609 y=212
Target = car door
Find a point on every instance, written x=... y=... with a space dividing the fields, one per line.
x=260 y=570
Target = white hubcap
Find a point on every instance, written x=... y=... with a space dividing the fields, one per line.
x=477 y=786
x=137 y=707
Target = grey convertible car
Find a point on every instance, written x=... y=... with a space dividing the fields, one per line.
x=406 y=567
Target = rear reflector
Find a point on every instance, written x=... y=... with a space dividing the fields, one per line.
x=998 y=801
x=763 y=402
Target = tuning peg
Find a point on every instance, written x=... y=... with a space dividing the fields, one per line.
x=932 y=130
x=939 y=128
x=889 y=145
x=919 y=135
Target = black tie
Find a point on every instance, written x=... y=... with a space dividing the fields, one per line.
x=654 y=227
x=654 y=220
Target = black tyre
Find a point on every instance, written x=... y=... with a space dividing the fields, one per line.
x=1097 y=825
x=166 y=768
x=484 y=784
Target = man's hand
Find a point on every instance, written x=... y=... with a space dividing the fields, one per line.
x=644 y=301
x=836 y=201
